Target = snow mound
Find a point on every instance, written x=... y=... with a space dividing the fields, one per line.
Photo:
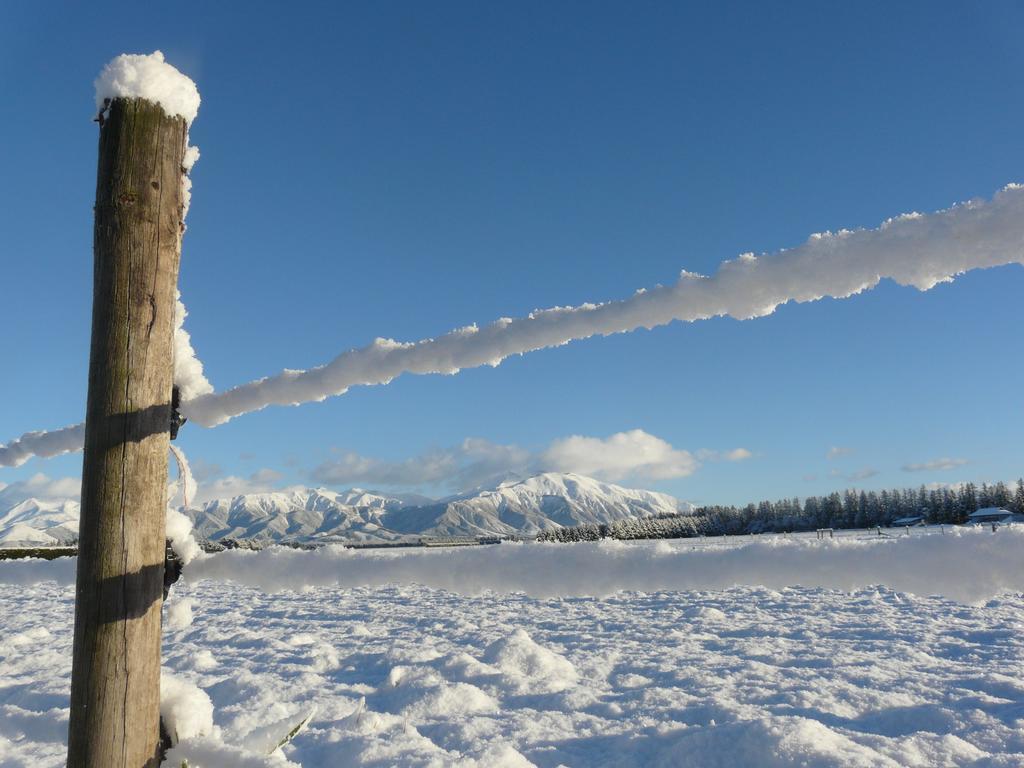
x=776 y=742
x=185 y=709
x=148 y=77
x=178 y=614
x=528 y=667
x=708 y=615
x=265 y=739
x=801 y=678
x=422 y=693
x=210 y=752
x=503 y=756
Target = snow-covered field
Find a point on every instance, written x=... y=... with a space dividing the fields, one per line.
x=529 y=654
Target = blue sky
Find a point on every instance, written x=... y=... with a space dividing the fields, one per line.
x=401 y=169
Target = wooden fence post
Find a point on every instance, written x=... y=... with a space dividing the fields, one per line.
x=115 y=680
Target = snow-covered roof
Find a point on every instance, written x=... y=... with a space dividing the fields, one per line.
x=908 y=520
x=991 y=512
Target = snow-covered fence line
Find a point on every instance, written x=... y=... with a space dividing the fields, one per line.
x=34 y=570
x=913 y=249
x=970 y=566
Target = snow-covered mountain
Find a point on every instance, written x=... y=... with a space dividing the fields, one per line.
x=297 y=515
x=38 y=522
x=521 y=507
x=527 y=506
x=514 y=507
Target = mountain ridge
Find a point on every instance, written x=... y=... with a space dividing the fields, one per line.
x=515 y=507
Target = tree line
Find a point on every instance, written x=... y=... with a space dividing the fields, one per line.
x=849 y=509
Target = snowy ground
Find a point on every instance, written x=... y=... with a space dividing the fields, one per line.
x=689 y=673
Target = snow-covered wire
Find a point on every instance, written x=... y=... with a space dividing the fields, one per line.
x=42 y=444
x=188 y=377
x=913 y=249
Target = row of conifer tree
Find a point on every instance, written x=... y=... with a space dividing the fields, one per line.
x=850 y=509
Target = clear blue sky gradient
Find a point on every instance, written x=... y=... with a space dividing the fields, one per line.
x=400 y=169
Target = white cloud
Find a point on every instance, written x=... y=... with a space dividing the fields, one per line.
x=472 y=463
x=266 y=475
x=635 y=455
x=736 y=454
x=860 y=474
x=836 y=451
x=936 y=486
x=40 y=487
x=426 y=469
x=203 y=470
x=261 y=481
x=45 y=488
x=935 y=465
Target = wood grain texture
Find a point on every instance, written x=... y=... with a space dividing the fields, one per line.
x=115 y=687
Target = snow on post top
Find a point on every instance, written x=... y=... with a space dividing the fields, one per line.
x=148 y=77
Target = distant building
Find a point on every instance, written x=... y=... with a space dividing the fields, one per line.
x=994 y=515
x=907 y=521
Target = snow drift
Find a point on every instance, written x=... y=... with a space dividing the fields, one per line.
x=412 y=676
x=969 y=566
x=966 y=565
x=186 y=711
